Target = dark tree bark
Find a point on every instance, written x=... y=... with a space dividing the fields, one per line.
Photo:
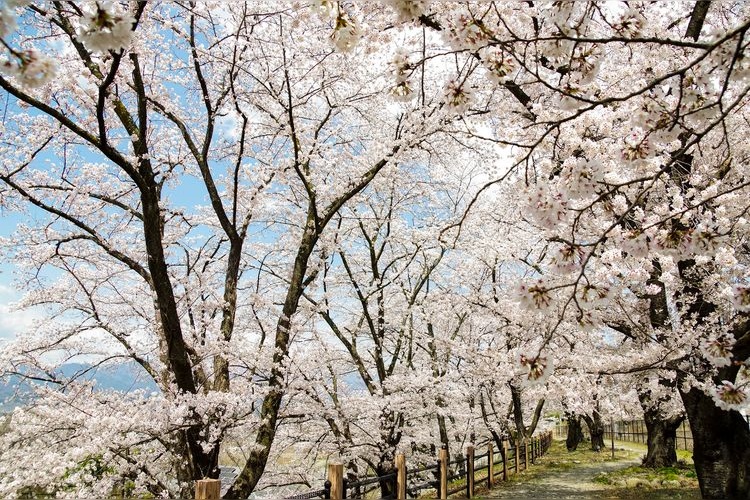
x=721 y=438
x=721 y=447
x=696 y=19
x=388 y=485
x=661 y=438
x=523 y=431
x=661 y=431
x=497 y=437
x=596 y=430
x=575 y=433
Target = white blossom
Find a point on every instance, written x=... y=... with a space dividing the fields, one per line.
x=408 y=10
x=718 y=350
x=539 y=368
x=457 y=96
x=346 y=33
x=106 y=27
x=33 y=69
x=729 y=396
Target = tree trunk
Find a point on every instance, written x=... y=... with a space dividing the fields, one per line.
x=522 y=431
x=443 y=430
x=387 y=485
x=661 y=437
x=575 y=433
x=257 y=458
x=721 y=447
x=596 y=430
x=661 y=432
x=721 y=438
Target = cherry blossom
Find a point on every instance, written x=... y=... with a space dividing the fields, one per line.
x=401 y=213
x=728 y=396
x=31 y=67
x=106 y=27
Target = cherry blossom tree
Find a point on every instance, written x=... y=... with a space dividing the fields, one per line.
x=626 y=123
x=391 y=336
x=105 y=145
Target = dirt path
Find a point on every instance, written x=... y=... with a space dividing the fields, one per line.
x=576 y=482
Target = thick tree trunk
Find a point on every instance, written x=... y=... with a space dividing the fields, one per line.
x=596 y=430
x=721 y=438
x=661 y=437
x=661 y=431
x=198 y=463
x=721 y=447
x=575 y=433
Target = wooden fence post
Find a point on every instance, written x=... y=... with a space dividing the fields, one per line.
x=400 y=476
x=336 y=477
x=470 y=471
x=505 y=460
x=490 y=466
x=684 y=433
x=443 y=459
x=526 y=453
x=516 y=451
x=640 y=430
x=208 y=489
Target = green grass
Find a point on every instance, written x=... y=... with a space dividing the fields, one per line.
x=682 y=455
x=680 y=476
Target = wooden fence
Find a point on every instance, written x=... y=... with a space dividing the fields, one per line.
x=486 y=469
x=634 y=431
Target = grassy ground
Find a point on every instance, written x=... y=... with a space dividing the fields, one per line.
x=681 y=476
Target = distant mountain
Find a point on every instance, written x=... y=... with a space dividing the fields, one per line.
x=15 y=390
x=123 y=377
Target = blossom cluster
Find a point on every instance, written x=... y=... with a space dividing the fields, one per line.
x=729 y=396
x=457 y=96
x=31 y=68
x=401 y=70
x=106 y=26
x=539 y=368
x=408 y=10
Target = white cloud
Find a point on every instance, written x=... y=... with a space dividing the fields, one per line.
x=14 y=321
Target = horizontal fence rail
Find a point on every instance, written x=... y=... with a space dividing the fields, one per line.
x=483 y=469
